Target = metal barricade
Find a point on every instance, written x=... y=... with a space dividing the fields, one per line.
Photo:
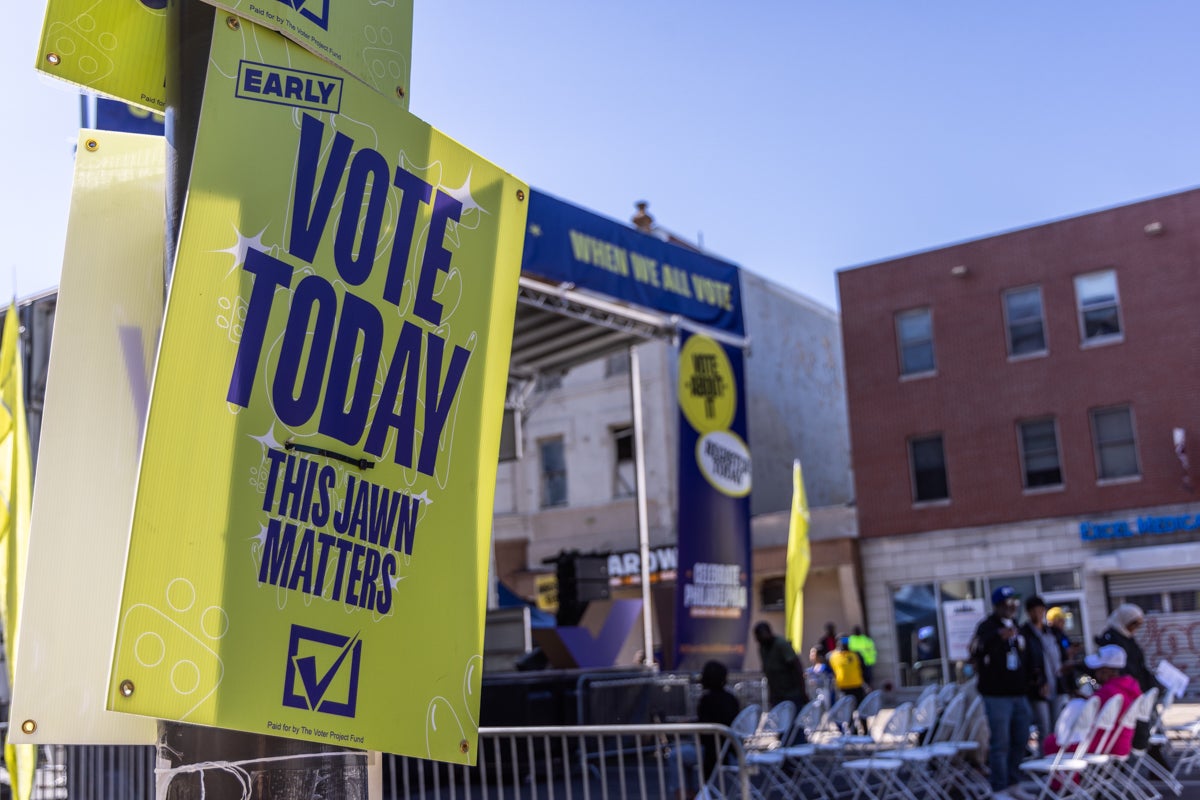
x=586 y=762
x=95 y=772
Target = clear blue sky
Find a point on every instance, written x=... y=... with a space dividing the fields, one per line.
x=796 y=138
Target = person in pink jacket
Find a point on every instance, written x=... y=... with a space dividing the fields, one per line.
x=1106 y=666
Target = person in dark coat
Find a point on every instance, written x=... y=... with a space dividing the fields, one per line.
x=717 y=706
x=1120 y=628
x=1045 y=662
x=1000 y=654
x=781 y=666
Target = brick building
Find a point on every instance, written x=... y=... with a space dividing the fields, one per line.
x=1020 y=409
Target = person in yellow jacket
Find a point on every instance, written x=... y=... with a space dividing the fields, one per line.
x=865 y=647
x=847 y=669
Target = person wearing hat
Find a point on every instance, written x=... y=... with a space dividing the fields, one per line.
x=1056 y=620
x=1107 y=666
x=1001 y=656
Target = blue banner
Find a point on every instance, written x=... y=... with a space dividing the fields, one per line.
x=566 y=243
x=712 y=587
x=114 y=115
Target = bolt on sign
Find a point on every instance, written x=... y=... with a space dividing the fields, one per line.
x=118 y=48
x=308 y=554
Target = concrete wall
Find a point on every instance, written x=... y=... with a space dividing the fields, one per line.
x=996 y=551
x=796 y=395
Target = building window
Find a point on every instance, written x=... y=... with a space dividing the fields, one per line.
x=616 y=364
x=915 y=616
x=1184 y=602
x=1099 y=306
x=928 y=469
x=1039 y=453
x=1149 y=603
x=1026 y=325
x=554 y=472
x=1116 y=449
x=914 y=333
x=772 y=594
x=1063 y=581
x=624 y=467
x=548 y=381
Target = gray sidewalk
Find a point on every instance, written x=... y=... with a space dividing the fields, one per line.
x=1181 y=714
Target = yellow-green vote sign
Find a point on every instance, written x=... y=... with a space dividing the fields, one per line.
x=370 y=39
x=112 y=47
x=308 y=555
x=118 y=47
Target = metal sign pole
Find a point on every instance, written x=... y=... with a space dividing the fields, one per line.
x=196 y=762
x=639 y=461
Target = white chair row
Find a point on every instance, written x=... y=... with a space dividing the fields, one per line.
x=920 y=751
x=1088 y=765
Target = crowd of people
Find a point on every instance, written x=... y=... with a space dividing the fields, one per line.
x=839 y=664
x=1029 y=673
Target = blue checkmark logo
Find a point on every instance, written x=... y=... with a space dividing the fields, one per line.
x=322 y=671
x=321 y=17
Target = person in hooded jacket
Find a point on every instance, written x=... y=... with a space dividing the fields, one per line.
x=1119 y=630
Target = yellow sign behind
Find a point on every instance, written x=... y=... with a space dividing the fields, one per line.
x=106 y=322
x=308 y=556
x=112 y=47
x=370 y=39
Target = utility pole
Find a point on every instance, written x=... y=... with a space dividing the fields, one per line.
x=197 y=762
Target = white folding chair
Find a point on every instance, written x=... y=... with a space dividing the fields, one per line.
x=838 y=720
x=1120 y=776
x=864 y=716
x=1183 y=741
x=926 y=691
x=778 y=720
x=868 y=709
x=880 y=777
x=1103 y=775
x=1056 y=776
x=801 y=757
x=968 y=740
x=950 y=750
x=747 y=720
x=762 y=744
x=923 y=760
x=1141 y=761
x=946 y=694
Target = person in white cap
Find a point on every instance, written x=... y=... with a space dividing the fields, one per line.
x=1107 y=666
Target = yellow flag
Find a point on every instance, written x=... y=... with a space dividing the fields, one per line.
x=16 y=478
x=799 y=556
